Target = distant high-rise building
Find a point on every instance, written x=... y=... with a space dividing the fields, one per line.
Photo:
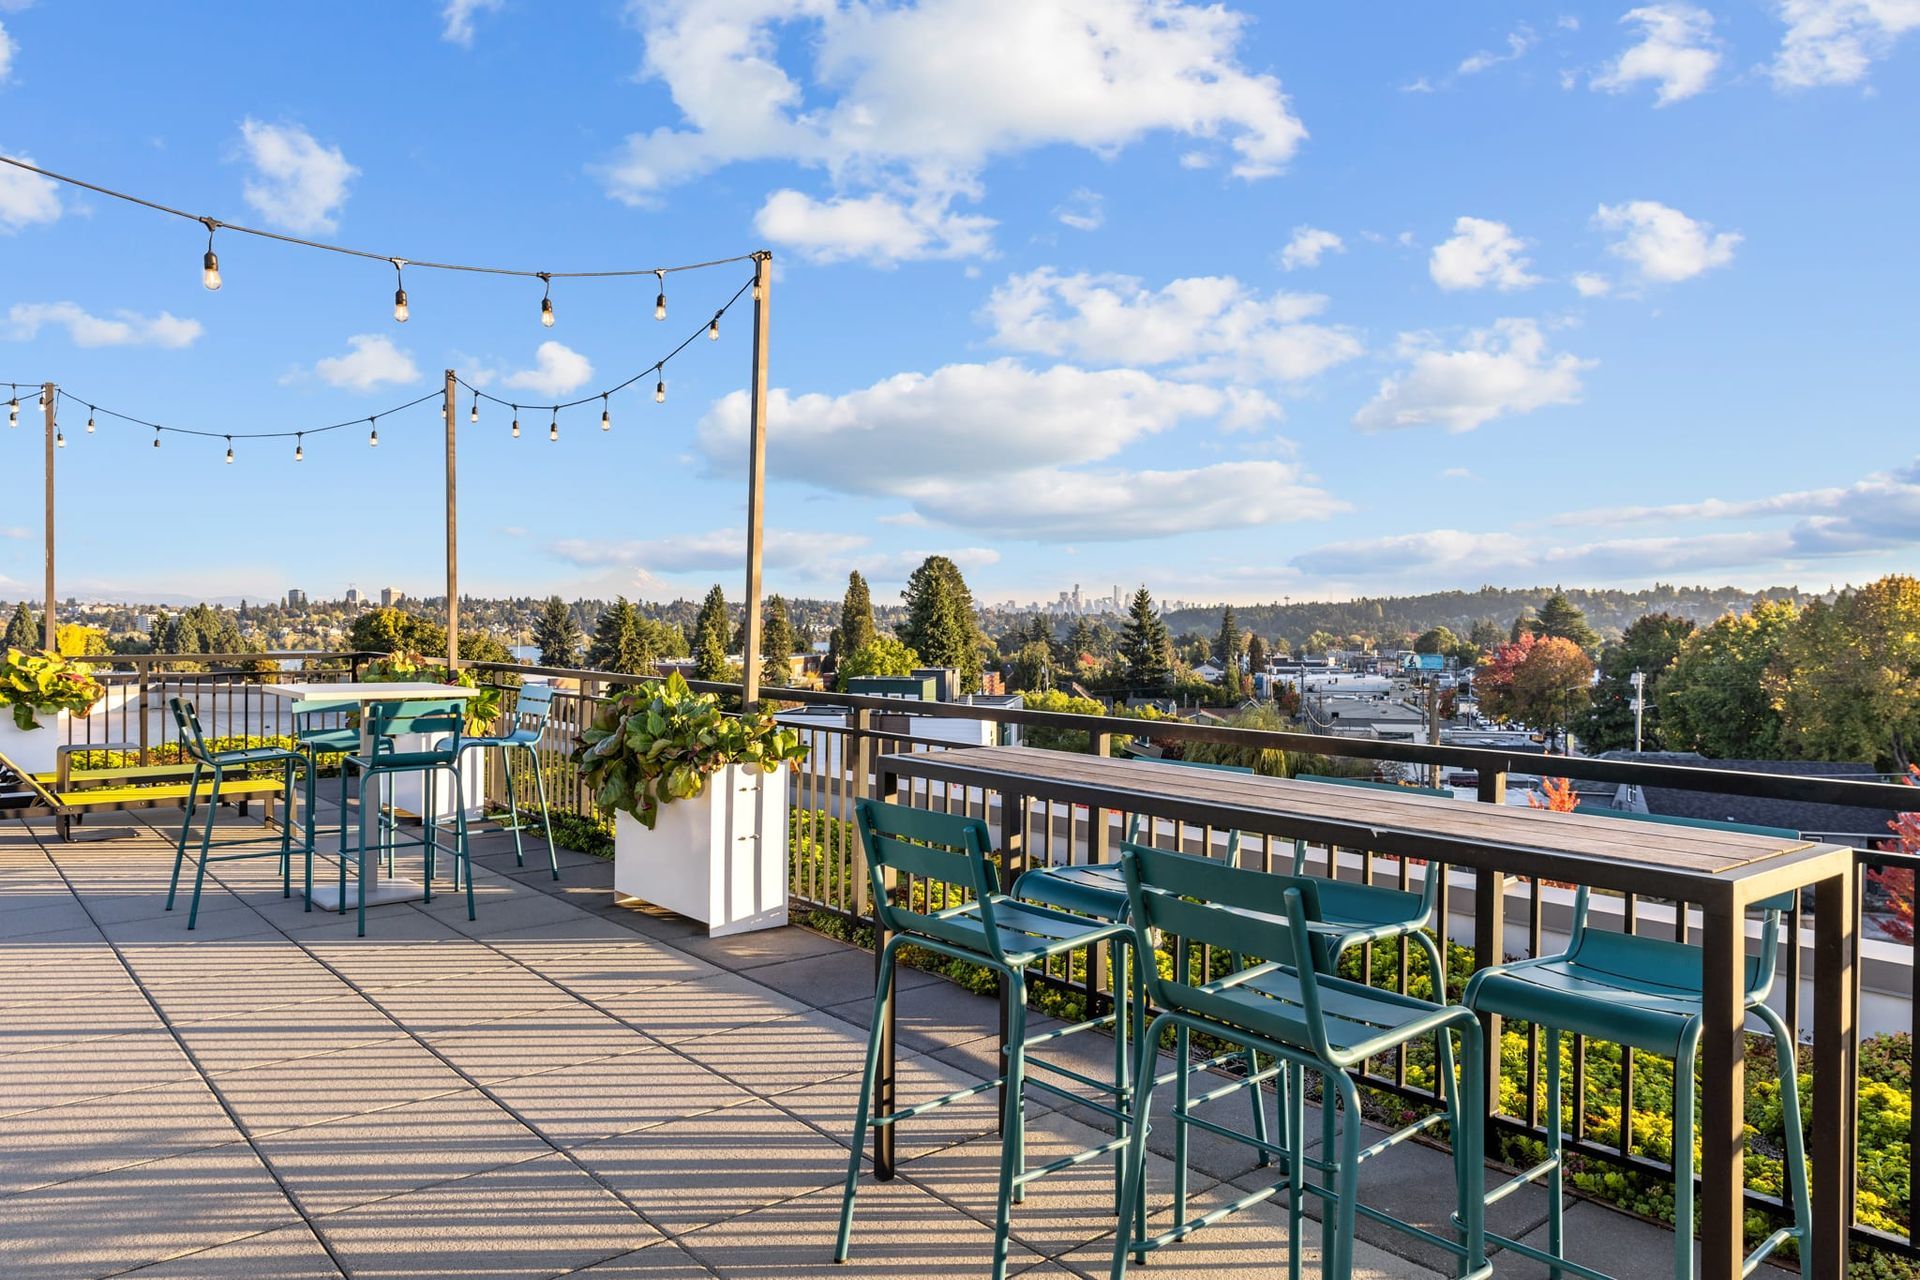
x=353 y=596
x=296 y=598
x=390 y=596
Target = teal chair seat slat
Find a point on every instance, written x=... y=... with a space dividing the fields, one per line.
x=400 y=759
x=1094 y=889
x=1025 y=933
x=329 y=739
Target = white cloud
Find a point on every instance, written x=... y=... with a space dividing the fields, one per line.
x=558 y=370
x=298 y=184
x=1006 y=449
x=1883 y=506
x=913 y=102
x=1518 y=42
x=912 y=519
x=1458 y=473
x=457 y=17
x=26 y=198
x=125 y=329
x=878 y=228
x=714 y=549
x=371 y=362
x=1678 y=52
x=1083 y=211
x=1481 y=253
x=1663 y=244
x=1308 y=246
x=1506 y=369
x=1835 y=41
x=7 y=49
x=1207 y=326
x=1589 y=284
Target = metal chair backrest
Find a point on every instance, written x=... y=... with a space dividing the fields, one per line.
x=192 y=739
x=532 y=706
x=942 y=847
x=429 y=717
x=1601 y=946
x=1207 y=903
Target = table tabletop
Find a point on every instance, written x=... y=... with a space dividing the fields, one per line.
x=1582 y=848
x=370 y=691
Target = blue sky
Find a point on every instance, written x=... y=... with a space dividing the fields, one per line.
x=1241 y=302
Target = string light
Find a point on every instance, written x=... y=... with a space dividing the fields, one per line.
x=546 y=301
x=553 y=428
x=59 y=438
x=475 y=415
x=13 y=410
x=156 y=437
x=606 y=415
x=299 y=446
x=400 y=311
x=89 y=419
x=660 y=387
x=210 y=265
x=516 y=422
x=660 y=300
x=229 y=449
x=713 y=328
x=373 y=436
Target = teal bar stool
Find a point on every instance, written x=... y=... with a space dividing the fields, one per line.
x=1307 y=1021
x=1363 y=913
x=441 y=722
x=1643 y=993
x=526 y=723
x=312 y=741
x=223 y=765
x=990 y=929
x=1099 y=890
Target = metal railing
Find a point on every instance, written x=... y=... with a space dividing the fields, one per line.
x=829 y=876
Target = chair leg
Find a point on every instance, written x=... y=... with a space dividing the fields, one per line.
x=206 y=846
x=1010 y=1153
x=1556 y=1152
x=312 y=784
x=513 y=807
x=462 y=855
x=1336 y=1261
x=1468 y=1123
x=546 y=810
x=1296 y=1128
x=1122 y=1083
x=1683 y=1091
x=1436 y=965
x=180 y=846
x=863 y=1109
x=1182 y=1096
x=1796 y=1172
x=1133 y=1225
x=430 y=835
x=341 y=908
x=286 y=833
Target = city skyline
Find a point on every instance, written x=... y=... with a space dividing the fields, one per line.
x=1248 y=322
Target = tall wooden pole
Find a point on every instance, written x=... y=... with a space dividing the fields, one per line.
x=52 y=635
x=453 y=542
x=756 y=479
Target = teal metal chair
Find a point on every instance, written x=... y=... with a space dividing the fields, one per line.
x=313 y=740
x=1099 y=890
x=986 y=928
x=526 y=723
x=224 y=766
x=441 y=722
x=1358 y=914
x=1307 y=1021
x=1643 y=993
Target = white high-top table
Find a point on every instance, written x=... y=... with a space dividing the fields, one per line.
x=320 y=697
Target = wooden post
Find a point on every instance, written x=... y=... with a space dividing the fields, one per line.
x=453 y=542
x=756 y=480
x=1489 y=942
x=46 y=400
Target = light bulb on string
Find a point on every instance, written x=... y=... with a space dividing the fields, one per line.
x=660 y=390
x=475 y=415
x=373 y=436
x=156 y=437
x=400 y=311
x=59 y=438
x=229 y=450
x=606 y=414
x=299 y=446
x=210 y=264
x=713 y=328
x=546 y=301
x=13 y=410
x=553 y=428
x=516 y=422
x=89 y=419
x=660 y=299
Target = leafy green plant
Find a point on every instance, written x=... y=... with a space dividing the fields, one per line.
x=33 y=680
x=658 y=741
x=483 y=708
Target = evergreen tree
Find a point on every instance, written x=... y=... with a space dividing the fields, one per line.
x=620 y=641
x=1256 y=655
x=1033 y=668
x=1082 y=641
x=1649 y=645
x=1146 y=650
x=710 y=633
x=1227 y=645
x=776 y=644
x=1561 y=617
x=23 y=629
x=557 y=635
x=1486 y=635
x=941 y=624
x=856 y=615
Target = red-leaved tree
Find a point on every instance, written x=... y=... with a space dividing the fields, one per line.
x=1897 y=882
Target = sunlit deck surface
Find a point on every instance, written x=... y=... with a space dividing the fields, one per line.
x=564 y=1087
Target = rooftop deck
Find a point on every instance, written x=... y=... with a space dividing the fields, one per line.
x=565 y=1086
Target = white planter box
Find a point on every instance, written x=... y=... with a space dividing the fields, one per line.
x=409 y=789
x=35 y=750
x=720 y=858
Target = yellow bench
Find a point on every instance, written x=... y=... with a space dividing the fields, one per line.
x=70 y=794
